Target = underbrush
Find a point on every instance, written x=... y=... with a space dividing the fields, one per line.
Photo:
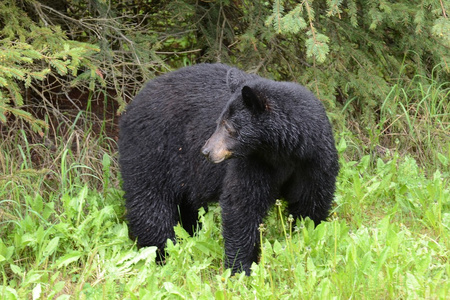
x=414 y=118
x=388 y=237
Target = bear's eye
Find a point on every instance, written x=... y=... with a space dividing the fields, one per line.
x=230 y=129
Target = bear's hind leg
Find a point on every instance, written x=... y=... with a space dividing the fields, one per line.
x=310 y=198
x=151 y=220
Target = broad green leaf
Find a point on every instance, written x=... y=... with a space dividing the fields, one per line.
x=16 y=269
x=181 y=232
x=67 y=259
x=51 y=247
x=277 y=248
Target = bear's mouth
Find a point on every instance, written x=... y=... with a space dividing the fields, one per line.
x=216 y=155
x=221 y=158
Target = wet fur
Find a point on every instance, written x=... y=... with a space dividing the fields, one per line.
x=278 y=142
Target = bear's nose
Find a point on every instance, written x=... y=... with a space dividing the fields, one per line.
x=205 y=150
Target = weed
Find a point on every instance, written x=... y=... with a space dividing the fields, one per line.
x=388 y=237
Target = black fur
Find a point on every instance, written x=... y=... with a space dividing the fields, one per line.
x=277 y=134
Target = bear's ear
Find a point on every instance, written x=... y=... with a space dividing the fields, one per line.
x=252 y=101
x=235 y=78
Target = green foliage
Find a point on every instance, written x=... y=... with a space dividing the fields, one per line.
x=293 y=22
x=357 y=48
x=388 y=237
x=413 y=118
x=30 y=53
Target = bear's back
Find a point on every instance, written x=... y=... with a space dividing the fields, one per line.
x=200 y=88
x=191 y=97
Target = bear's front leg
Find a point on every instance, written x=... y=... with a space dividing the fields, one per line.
x=245 y=200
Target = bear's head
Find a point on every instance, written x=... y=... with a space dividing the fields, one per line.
x=244 y=125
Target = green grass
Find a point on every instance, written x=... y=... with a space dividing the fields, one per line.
x=388 y=237
x=414 y=118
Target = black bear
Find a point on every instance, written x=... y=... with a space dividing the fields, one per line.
x=264 y=140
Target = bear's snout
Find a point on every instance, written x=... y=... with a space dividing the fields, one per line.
x=215 y=149
x=206 y=150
